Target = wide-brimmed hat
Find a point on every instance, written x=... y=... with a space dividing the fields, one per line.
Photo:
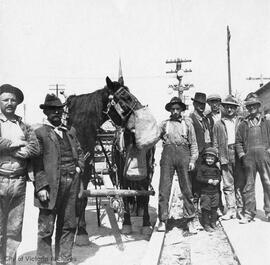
x=14 y=90
x=213 y=97
x=199 y=97
x=252 y=99
x=230 y=100
x=51 y=101
x=211 y=151
x=175 y=100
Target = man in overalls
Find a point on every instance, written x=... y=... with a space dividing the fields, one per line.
x=253 y=148
x=179 y=154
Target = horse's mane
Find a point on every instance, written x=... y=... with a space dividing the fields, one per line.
x=86 y=114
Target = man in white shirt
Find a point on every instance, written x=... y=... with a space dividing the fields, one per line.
x=18 y=143
x=224 y=140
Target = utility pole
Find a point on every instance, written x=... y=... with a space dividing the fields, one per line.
x=57 y=89
x=261 y=78
x=229 y=60
x=179 y=75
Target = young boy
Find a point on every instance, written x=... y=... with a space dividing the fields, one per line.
x=209 y=176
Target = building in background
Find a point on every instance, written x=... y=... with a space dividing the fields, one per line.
x=264 y=94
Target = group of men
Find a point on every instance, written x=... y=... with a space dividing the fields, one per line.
x=57 y=161
x=242 y=144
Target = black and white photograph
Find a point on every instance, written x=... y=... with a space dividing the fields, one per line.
x=134 y=132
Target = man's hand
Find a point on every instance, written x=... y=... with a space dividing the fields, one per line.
x=43 y=195
x=210 y=181
x=21 y=153
x=191 y=166
x=18 y=143
x=80 y=195
x=215 y=182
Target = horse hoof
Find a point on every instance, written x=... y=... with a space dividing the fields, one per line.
x=147 y=230
x=82 y=240
x=126 y=229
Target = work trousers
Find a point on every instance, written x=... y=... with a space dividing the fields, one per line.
x=12 y=200
x=256 y=160
x=228 y=176
x=65 y=213
x=175 y=158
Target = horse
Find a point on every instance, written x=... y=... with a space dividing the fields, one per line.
x=86 y=113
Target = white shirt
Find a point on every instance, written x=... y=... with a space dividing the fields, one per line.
x=230 y=126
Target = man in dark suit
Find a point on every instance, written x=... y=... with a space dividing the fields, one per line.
x=56 y=173
x=203 y=137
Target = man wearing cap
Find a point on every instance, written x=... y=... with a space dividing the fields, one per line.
x=56 y=174
x=203 y=137
x=253 y=148
x=224 y=140
x=214 y=101
x=179 y=153
x=18 y=143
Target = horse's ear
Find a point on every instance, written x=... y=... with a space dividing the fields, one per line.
x=121 y=81
x=109 y=82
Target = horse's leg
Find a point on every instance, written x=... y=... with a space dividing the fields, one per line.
x=126 y=228
x=143 y=201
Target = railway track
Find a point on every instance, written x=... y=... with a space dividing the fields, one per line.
x=177 y=246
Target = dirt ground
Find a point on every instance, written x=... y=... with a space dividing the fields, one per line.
x=180 y=247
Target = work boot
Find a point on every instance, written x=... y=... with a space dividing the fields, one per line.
x=206 y=221
x=240 y=213
x=147 y=230
x=161 y=226
x=267 y=215
x=208 y=229
x=191 y=227
x=197 y=224
x=213 y=218
x=126 y=229
x=231 y=214
x=246 y=219
x=82 y=240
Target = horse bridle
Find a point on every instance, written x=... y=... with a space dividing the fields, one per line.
x=122 y=108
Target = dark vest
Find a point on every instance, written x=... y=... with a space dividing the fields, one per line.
x=199 y=131
x=65 y=149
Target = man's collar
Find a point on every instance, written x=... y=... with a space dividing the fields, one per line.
x=61 y=126
x=198 y=116
x=179 y=119
x=258 y=117
x=16 y=118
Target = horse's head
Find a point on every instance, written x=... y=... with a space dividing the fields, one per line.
x=121 y=102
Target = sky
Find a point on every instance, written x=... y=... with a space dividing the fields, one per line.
x=77 y=43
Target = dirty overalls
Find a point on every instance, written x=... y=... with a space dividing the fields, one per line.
x=175 y=156
x=64 y=212
x=257 y=159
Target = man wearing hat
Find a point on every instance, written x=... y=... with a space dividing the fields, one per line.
x=214 y=101
x=224 y=140
x=203 y=137
x=253 y=148
x=56 y=173
x=18 y=143
x=179 y=154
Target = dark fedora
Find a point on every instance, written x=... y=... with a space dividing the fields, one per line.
x=199 y=97
x=230 y=100
x=51 y=102
x=6 y=88
x=175 y=100
x=252 y=99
